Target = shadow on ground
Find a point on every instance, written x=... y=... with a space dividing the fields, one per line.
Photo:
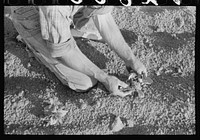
x=152 y=10
x=129 y=36
x=168 y=42
x=174 y=88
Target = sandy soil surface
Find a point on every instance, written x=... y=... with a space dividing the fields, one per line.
x=35 y=101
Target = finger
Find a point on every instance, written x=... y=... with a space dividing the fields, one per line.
x=127 y=93
x=123 y=94
x=132 y=75
x=122 y=84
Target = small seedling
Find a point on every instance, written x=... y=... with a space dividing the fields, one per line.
x=135 y=82
x=55 y=112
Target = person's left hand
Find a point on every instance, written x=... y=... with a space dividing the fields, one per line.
x=137 y=66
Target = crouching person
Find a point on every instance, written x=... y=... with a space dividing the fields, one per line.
x=46 y=31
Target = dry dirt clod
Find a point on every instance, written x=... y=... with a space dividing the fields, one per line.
x=98 y=104
x=53 y=121
x=117 y=124
x=83 y=106
x=29 y=65
x=19 y=39
x=147 y=80
x=21 y=94
x=140 y=94
x=179 y=70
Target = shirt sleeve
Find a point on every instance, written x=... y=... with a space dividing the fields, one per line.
x=55 y=28
x=85 y=13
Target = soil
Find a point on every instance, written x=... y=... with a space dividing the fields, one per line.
x=163 y=38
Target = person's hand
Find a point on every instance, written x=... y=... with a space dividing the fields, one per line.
x=114 y=85
x=137 y=66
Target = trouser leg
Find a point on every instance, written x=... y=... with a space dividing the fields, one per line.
x=74 y=79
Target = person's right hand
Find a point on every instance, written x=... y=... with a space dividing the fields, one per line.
x=113 y=85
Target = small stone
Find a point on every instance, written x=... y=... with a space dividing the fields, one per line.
x=158 y=73
x=140 y=94
x=147 y=80
x=179 y=70
x=98 y=104
x=28 y=65
x=83 y=106
x=81 y=100
x=19 y=39
x=21 y=94
x=117 y=125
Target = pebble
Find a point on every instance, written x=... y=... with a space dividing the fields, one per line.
x=98 y=104
x=147 y=80
x=28 y=65
x=179 y=70
x=157 y=73
x=140 y=94
x=21 y=94
x=117 y=125
x=83 y=106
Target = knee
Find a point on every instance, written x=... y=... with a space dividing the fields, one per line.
x=89 y=84
x=85 y=85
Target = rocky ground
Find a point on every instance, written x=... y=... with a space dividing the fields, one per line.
x=163 y=38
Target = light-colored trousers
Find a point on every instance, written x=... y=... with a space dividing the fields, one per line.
x=46 y=31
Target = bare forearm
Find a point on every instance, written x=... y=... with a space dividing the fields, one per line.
x=78 y=61
x=112 y=35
